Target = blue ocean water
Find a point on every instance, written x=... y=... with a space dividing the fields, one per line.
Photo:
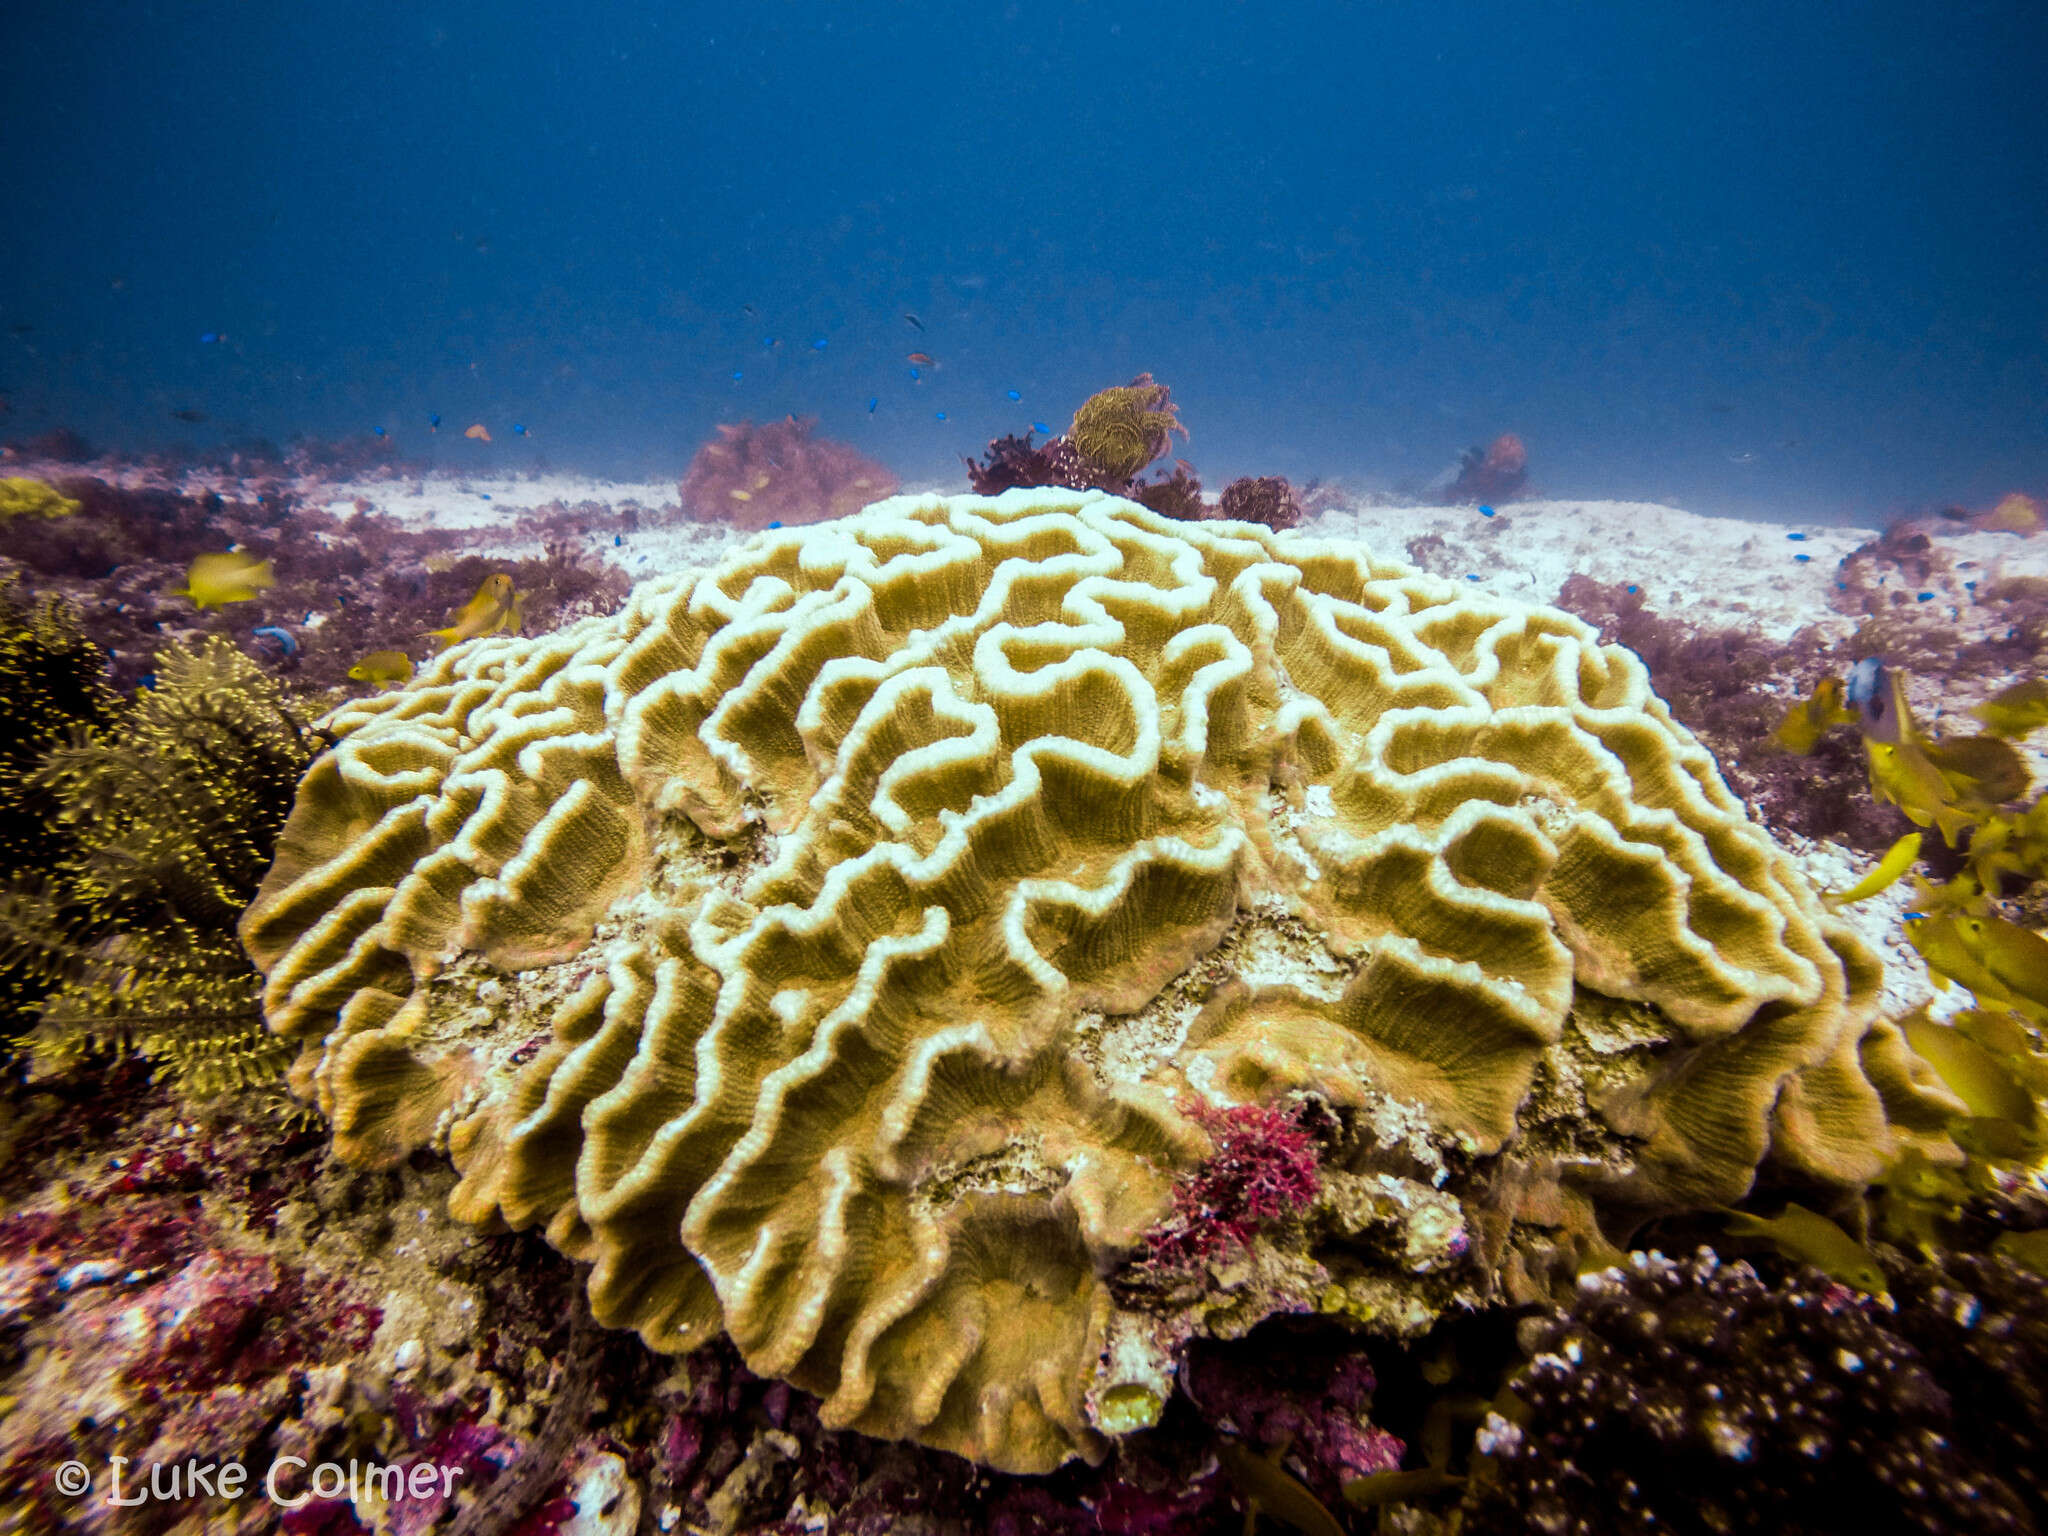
x=1746 y=257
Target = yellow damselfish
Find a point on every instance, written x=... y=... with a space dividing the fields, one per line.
x=237 y=576
x=1902 y=773
x=1980 y=769
x=1808 y=1237
x=2016 y=710
x=1898 y=858
x=383 y=667
x=1273 y=1491
x=1977 y=1076
x=495 y=607
x=1811 y=718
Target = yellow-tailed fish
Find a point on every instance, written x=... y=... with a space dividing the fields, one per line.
x=495 y=607
x=1898 y=858
x=1922 y=1197
x=1950 y=959
x=1976 y=1076
x=2017 y=710
x=1272 y=1491
x=212 y=581
x=1916 y=1176
x=2003 y=1034
x=383 y=667
x=1811 y=718
x=2017 y=956
x=1379 y=1488
x=2011 y=844
x=1901 y=773
x=1980 y=768
x=1810 y=1238
x=2029 y=1250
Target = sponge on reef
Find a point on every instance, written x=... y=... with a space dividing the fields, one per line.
x=807 y=946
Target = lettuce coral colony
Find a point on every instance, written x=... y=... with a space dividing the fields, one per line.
x=847 y=949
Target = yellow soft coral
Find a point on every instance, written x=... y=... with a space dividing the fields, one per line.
x=818 y=948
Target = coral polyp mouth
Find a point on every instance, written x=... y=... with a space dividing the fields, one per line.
x=841 y=950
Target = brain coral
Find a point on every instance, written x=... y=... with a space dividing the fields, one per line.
x=818 y=946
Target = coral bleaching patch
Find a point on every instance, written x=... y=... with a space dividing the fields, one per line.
x=813 y=946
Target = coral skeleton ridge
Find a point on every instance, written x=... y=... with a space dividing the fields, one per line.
x=816 y=946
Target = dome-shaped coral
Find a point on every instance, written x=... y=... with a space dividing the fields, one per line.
x=864 y=898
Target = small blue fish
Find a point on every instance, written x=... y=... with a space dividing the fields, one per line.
x=941 y=415
x=1796 y=538
x=378 y=430
x=433 y=421
x=519 y=429
x=208 y=338
x=618 y=541
x=1486 y=511
x=915 y=375
x=1039 y=426
x=775 y=525
x=1012 y=394
x=485 y=494
x=1801 y=559
x=737 y=375
x=817 y=343
x=873 y=401
x=283 y=637
x=770 y=343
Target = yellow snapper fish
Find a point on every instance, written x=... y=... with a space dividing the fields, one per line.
x=1974 y=1074
x=1807 y=1237
x=2016 y=957
x=1898 y=858
x=383 y=667
x=237 y=576
x=1950 y=957
x=2012 y=844
x=1811 y=718
x=1981 y=769
x=1272 y=1491
x=2006 y=1037
x=2017 y=710
x=495 y=607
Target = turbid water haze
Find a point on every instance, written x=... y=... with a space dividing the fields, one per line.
x=1747 y=257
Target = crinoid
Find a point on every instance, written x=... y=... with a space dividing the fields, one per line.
x=1122 y=429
